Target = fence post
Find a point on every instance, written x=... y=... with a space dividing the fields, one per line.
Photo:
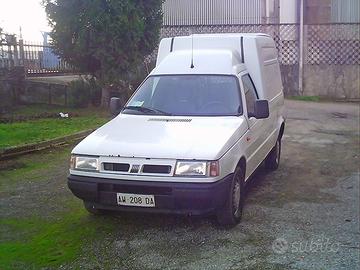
x=21 y=50
x=263 y=12
x=16 y=56
x=301 y=48
x=9 y=42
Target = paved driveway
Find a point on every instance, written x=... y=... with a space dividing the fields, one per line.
x=303 y=216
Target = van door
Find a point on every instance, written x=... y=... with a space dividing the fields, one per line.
x=259 y=129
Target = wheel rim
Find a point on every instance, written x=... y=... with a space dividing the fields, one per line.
x=236 y=197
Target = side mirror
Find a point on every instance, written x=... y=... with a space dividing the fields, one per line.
x=115 y=106
x=261 y=109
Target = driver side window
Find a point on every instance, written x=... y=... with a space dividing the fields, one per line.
x=250 y=93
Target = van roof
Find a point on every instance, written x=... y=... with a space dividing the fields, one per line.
x=225 y=62
x=212 y=53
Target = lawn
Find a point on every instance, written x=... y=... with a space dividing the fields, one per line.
x=32 y=131
x=38 y=109
x=55 y=228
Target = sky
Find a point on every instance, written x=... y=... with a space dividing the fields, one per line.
x=27 y=14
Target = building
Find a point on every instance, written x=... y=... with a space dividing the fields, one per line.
x=214 y=12
x=221 y=12
x=321 y=11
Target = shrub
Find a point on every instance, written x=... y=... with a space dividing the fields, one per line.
x=79 y=93
x=95 y=91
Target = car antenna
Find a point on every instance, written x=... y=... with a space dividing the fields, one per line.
x=192 y=51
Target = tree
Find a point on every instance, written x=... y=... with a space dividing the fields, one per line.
x=106 y=38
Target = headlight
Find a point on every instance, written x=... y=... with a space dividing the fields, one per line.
x=197 y=168
x=84 y=163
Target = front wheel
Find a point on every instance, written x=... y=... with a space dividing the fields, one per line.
x=230 y=215
x=272 y=161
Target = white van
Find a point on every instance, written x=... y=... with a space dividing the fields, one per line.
x=191 y=135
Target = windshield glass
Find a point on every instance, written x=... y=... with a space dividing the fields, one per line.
x=195 y=95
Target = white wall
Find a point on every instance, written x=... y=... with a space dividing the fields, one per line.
x=288 y=11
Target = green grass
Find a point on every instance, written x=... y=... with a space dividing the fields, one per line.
x=49 y=235
x=37 y=243
x=35 y=109
x=33 y=167
x=306 y=98
x=21 y=133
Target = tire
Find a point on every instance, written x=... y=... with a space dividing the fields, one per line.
x=230 y=215
x=91 y=208
x=272 y=161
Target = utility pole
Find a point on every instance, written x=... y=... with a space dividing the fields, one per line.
x=301 y=48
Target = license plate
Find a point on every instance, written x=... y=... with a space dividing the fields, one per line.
x=128 y=199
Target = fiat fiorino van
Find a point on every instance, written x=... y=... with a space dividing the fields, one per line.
x=191 y=135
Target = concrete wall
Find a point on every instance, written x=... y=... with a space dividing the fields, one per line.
x=290 y=79
x=6 y=95
x=11 y=82
x=43 y=93
x=333 y=81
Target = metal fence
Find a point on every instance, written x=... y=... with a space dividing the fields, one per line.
x=336 y=44
x=36 y=58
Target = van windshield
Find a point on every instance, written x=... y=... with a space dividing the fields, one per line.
x=187 y=95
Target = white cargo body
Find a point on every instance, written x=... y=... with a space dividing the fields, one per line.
x=192 y=134
x=259 y=55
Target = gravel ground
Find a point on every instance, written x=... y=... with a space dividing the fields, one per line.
x=303 y=216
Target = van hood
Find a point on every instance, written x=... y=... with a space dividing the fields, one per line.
x=144 y=136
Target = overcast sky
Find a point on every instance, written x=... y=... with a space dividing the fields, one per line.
x=29 y=14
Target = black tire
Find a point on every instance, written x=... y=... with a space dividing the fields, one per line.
x=230 y=215
x=272 y=161
x=92 y=209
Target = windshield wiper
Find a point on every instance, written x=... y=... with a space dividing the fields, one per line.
x=146 y=110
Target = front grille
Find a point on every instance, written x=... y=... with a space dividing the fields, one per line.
x=116 y=167
x=161 y=169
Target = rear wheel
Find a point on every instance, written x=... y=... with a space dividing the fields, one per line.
x=272 y=161
x=90 y=207
x=230 y=215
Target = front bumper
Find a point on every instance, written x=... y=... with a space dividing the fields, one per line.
x=170 y=197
